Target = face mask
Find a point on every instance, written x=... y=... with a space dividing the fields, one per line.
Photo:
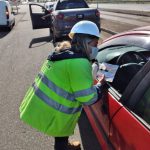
x=94 y=52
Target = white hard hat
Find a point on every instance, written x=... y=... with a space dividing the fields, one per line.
x=85 y=27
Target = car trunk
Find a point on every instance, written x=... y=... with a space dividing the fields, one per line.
x=67 y=18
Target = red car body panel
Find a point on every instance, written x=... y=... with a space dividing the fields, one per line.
x=101 y=140
x=115 y=125
x=103 y=118
x=114 y=105
x=122 y=133
x=128 y=33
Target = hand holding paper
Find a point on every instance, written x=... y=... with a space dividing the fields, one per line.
x=101 y=79
x=108 y=70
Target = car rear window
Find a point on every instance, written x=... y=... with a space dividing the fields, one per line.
x=71 y=4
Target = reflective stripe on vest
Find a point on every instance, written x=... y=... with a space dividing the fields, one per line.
x=54 y=104
x=67 y=95
x=55 y=88
x=87 y=92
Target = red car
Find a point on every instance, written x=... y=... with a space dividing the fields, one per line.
x=121 y=119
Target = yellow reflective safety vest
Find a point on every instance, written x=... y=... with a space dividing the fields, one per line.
x=54 y=102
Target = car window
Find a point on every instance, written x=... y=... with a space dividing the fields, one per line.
x=108 y=54
x=71 y=4
x=126 y=71
x=143 y=107
x=37 y=9
x=50 y=6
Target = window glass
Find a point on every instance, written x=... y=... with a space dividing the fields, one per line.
x=143 y=107
x=71 y=4
x=110 y=53
x=37 y=9
x=50 y=6
x=126 y=71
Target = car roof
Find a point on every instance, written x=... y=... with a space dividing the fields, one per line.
x=137 y=31
x=139 y=37
x=135 y=37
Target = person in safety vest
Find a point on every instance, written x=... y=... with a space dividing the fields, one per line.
x=54 y=102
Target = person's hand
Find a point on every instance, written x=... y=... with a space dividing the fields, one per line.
x=101 y=79
x=95 y=68
x=100 y=86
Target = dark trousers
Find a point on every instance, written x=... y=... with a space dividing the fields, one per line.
x=61 y=143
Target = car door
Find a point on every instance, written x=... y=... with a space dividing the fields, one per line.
x=37 y=12
x=130 y=126
x=106 y=113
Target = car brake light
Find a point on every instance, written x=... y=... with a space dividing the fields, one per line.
x=97 y=13
x=7 y=12
x=60 y=16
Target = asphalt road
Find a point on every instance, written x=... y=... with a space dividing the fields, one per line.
x=129 y=8
x=22 y=52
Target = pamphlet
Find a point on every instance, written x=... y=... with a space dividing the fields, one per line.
x=109 y=71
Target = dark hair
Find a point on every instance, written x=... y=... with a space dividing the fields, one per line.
x=79 y=43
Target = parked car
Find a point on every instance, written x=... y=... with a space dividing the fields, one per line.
x=64 y=15
x=121 y=119
x=7 y=19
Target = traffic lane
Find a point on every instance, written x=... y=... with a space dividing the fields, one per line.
x=127 y=8
x=19 y=64
x=124 y=19
x=123 y=6
x=113 y=26
x=139 y=18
